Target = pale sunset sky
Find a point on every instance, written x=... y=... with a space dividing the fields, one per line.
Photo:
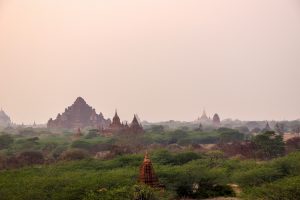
x=161 y=59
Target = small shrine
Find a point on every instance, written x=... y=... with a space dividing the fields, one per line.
x=147 y=174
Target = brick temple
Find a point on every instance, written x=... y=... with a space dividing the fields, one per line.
x=147 y=174
x=78 y=115
x=117 y=127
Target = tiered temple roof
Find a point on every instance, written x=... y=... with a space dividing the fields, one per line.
x=78 y=115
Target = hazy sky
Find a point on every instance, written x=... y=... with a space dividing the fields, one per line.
x=161 y=59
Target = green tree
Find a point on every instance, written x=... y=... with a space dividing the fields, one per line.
x=269 y=145
x=279 y=128
x=230 y=135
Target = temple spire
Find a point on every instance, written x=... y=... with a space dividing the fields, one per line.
x=116 y=113
x=146 y=157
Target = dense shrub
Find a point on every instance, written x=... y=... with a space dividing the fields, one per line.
x=112 y=194
x=269 y=145
x=2 y=162
x=285 y=189
x=166 y=158
x=82 y=145
x=293 y=144
x=257 y=176
x=157 y=128
x=101 y=147
x=230 y=135
x=245 y=149
x=288 y=165
x=92 y=133
x=176 y=136
x=30 y=158
x=136 y=192
x=58 y=151
x=74 y=154
x=5 y=141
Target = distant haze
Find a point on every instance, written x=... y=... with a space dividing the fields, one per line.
x=161 y=59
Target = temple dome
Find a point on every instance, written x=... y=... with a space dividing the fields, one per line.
x=216 y=119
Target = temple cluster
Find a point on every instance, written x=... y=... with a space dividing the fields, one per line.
x=205 y=120
x=117 y=127
x=80 y=115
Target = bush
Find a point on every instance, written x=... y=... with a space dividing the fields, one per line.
x=176 y=136
x=58 y=151
x=81 y=145
x=293 y=144
x=5 y=141
x=257 y=176
x=230 y=135
x=136 y=192
x=143 y=192
x=157 y=128
x=269 y=145
x=30 y=158
x=2 y=162
x=92 y=133
x=285 y=189
x=74 y=154
x=166 y=158
x=112 y=194
x=185 y=157
x=194 y=184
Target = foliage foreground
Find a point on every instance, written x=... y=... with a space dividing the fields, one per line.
x=185 y=174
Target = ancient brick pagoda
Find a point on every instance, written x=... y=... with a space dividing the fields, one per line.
x=135 y=126
x=117 y=127
x=78 y=115
x=147 y=174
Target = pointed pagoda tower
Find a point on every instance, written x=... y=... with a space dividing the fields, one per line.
x=147 y=174
x=135 y=126
x=116 y=120
x=204 y=117
x=267 y=128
